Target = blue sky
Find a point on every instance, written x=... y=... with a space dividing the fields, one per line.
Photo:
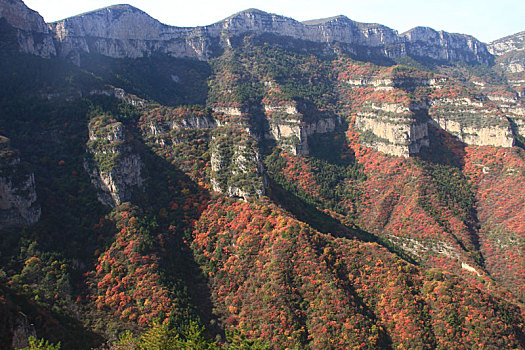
x=487 y=20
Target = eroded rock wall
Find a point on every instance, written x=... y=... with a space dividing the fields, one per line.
x=113 y=165
x=18 y=198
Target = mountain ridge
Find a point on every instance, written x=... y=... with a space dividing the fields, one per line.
x=113 y=31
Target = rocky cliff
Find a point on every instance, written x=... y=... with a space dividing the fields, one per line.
x=515 y=42
x=31 y=32
x=113 y=31
x=18 y=199
x=510 y=58
x=472 y=122
x=443 y=46
x=398 y=136
x=236 y=164
x=125 y=31
x=510 y=52
x=288 y=127
x=395 y=109
x=115 y=169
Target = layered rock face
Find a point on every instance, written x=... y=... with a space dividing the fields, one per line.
x=397 y=136
x=405 y=134
x=288 y=127
x=443 y=46
x=121 y=95
x=394 y=112
x=169 y=128
x=388 y=119
x=18 y=199
x=32 y=33
x=114 y=32
x=124 y=31
x=515 y=42
x=472 y=122
x=115 y=169
x=510 y=52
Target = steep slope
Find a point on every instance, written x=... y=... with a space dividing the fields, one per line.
x=515 y=42
x=443 y=46
x=271 y=196
x=31 y=34
x=510 y=52
x=293 y=286
x=17 y=189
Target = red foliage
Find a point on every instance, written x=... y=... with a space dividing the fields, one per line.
x=299 y=173
x=273 y=277
x=498 y=174
x=126 y=281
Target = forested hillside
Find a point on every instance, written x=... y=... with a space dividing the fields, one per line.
x=279 y=194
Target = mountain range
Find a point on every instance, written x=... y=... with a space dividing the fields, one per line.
x=125 y=31
x=258 y=183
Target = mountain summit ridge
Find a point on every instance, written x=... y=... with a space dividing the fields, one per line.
x=124 y=31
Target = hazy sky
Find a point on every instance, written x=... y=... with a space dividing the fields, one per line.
x=485 y=19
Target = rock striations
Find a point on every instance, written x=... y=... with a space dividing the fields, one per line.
x=510 y=52
x=115 y=169
x=18 y=198
x=124 y=31
x=30 y=31
x=515 y=42
x=443 y=46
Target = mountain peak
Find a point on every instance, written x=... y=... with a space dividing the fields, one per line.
x=313 y=22
x=122 y=22
x=251 y=12
x=115 y=10
x=17 y=14
x=422 y=33
x=124 y=7
x=512 y=37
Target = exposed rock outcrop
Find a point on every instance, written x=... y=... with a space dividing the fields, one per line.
x=510 y=52
x=22 y=330
x=290 y=129
x=515 y=42
x=402 y=131
x=429 y=43
x=113 y=31
x=115 y=170
x=472 y=122
x=32 y=33
x=124 y=31
x=395 y=107
x=121 y=95
x=236 y=164
x=168 y=127
x=18 y=198
x=395 y=136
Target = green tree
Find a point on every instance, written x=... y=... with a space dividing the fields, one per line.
x=193 y=339
x=34 y=344
x=159 y=337
x=126 y=341
x=237 y=341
